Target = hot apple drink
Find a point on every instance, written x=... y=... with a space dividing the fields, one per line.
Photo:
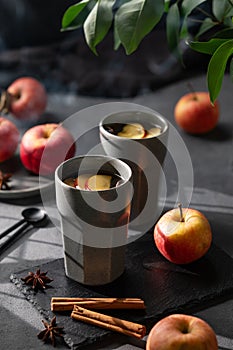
x=94 y=182
x=133 y=130
x=93 y=194
x=138 y=137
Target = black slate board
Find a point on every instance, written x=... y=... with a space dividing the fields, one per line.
x=166 y=288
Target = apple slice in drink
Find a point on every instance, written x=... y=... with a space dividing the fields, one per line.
x=152 y=132
x=81 y=180
x=132 y=131
x=98 y=183
x=70 y=182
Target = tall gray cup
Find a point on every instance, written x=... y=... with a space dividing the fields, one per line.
x=94 y=224
x=145 y=156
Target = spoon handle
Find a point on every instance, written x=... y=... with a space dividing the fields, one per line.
x=11 y=228
x=15 y=235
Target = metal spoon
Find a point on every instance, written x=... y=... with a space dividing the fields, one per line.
x=31 y=216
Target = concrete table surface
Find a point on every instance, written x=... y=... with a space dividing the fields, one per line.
x=212 y=161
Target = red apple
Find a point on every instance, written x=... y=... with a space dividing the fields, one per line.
x=183 y=236
x=43 y=147
x=9 y=139
x=26 y=98
x=179 y=331
x=195 y=114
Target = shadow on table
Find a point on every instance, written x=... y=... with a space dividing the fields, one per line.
x=18 y=334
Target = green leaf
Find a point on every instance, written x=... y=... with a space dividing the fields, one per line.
x=135 y=19
x=98 y=23
x=119 y=3
x=222 y=9
x=231 y=70
x=230 y=12
x=208 y=47
x=206 y=25
x=166 y=5
x=228 y=22
x=117 y=40
x=187 y=6
x=216 y=68
x=226 y=33
x=71 y=15
x=173 y=28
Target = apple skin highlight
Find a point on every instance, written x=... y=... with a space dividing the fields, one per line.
x=182 y=332
x=44 y=147
x=9 y=139
x=29 y=98
x=183 y=242
x=195 y=114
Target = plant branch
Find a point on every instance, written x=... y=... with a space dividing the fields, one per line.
x=207 y=14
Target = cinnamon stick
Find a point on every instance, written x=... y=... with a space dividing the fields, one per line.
x=66 y=304
x=108 y=322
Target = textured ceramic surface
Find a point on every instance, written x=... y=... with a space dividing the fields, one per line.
x=94 y=223
x=145 y=156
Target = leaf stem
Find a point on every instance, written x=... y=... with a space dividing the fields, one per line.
x=207 y=14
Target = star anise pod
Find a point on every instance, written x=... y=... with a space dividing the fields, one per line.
x=51 y=331
x=38 y=280
x=4 y=179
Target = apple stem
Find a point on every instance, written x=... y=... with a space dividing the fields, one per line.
x=181 y=212
x=5 y=101
x=192 y=90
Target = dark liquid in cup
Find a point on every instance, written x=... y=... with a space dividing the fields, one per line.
x=94 y=182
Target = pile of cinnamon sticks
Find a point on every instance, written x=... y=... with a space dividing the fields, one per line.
x=82 y=310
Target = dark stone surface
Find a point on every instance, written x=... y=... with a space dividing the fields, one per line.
x=164 y=287
x=211 y=155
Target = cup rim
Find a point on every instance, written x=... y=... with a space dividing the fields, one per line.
x=152 y=113
x=108 y=158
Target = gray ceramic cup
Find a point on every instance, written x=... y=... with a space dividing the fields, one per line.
x=145 y=156
x=94 y=224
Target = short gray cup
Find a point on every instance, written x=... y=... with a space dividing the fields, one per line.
x=145 y=156
x=94 y=224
